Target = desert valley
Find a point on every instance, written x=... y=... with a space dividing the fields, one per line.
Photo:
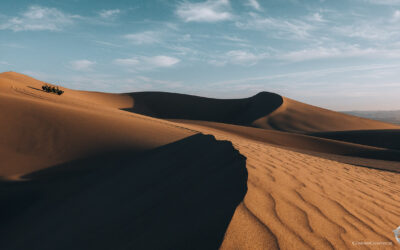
x=151 y=170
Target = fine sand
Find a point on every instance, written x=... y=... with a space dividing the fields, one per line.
x=299 y=201
x=153 y=170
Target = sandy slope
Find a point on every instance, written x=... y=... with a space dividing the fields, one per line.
x=298 y=201
x=43 y=129
x=294 y=116
x=78 y=173
x=342 y=151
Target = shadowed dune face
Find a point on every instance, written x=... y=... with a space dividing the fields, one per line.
x=180 y=106
x=155 y=201
x=264 y=110
x=377 y=138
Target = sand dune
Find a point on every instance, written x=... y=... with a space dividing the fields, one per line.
x=264 y=110
x=44 y=129
x=299 y=117
x=42 y=134
x=78 y=173
x=94 y=170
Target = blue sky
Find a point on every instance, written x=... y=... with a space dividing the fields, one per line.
x=341 y=55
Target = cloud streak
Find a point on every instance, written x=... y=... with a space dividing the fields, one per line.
x=146 y=37
x=109 y=13
x=147 y=63
x=209 y=11
x=254 y=4
x=38 y=18
x=280 y=28
x=82 y=65
x=238 y=57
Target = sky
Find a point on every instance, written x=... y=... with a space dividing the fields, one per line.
x=340 y=55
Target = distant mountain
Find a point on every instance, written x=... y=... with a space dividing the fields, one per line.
x=392 y=116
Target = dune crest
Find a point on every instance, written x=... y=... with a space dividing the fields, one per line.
x=264 y=110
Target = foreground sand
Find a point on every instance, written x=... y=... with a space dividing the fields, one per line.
x=298 y=201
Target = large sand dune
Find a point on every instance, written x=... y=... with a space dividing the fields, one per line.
x=264 y=110
x=103 y=171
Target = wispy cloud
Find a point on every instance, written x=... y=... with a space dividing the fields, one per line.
x=367 y=30
x=396 y=15
x=161 y=83
x=384 y=2
x=281 y=28
x=12 y=45
x=244 y=57
x=209 y=11
x=109 y=13
x=234 y=39
x=146 y=37
x=82 y=65
x=5 y=63
x=316 y=17
x=239 y=57
x=254 y=4
x=147 y=63
x=37 y=18
x=348 y=51
x=107 y=44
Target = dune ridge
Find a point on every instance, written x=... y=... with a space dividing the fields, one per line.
x=264 y=110
x=342 y=151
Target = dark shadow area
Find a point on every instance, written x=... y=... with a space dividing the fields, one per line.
x=181 y=106
x=179 y=196
x=385 y=138
x=35 y=88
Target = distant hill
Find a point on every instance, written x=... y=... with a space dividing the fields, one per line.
x=392 y=116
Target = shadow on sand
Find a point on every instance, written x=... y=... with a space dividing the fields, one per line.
x=179 y=196
x=180 y=106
